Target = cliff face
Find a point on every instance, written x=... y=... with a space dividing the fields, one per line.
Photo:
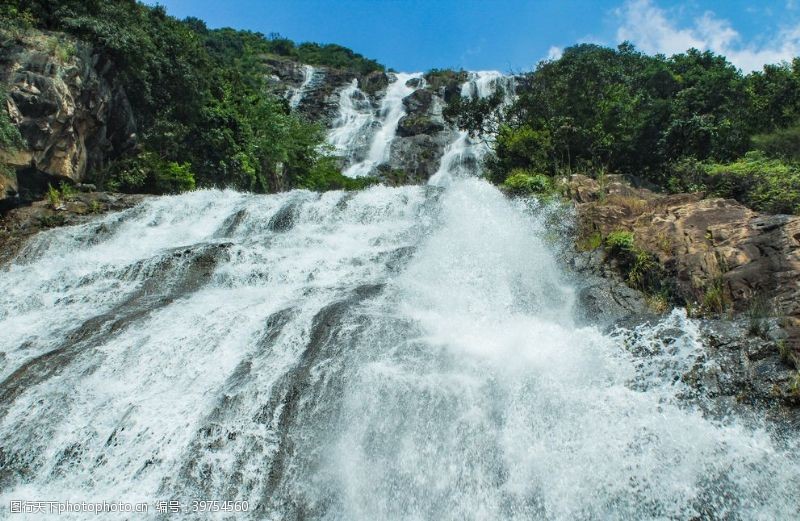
x=71 y=115
x=422 y=134
x=748 y=262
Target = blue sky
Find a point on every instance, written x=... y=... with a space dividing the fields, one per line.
x=513 y=35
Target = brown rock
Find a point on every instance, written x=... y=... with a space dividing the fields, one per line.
x=72 y=116
x=704 y=243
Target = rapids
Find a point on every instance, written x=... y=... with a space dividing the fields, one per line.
x=407 y=353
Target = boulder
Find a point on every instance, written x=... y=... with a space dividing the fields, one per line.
x=746 y=259
x=413 y=160
x=374 y=82
x=418 y=102
x=412 y=125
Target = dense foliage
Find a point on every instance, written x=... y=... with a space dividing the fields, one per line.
x=683 y=122
x=203 y=110
x=9 y=134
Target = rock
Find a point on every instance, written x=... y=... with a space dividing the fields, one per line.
x=374 y=82
x=414 y=83
x=412 y=125
x=603 y=298
x=413 y=159
x=418 y=101
x=72 y=115
x=446 y=83
x=707 y=246
x=18 y=224
x=746 y=366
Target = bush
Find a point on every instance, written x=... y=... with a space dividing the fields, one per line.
x=640 y=268
x=523 y=182
x=620 y=241
x=10 y=138
x=768 y=185
x=53 y=197
x=172 y=178
x=325 y=176
x=783 y=143
x=149 y=174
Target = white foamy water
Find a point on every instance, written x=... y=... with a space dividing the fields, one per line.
x=389 y=114
x=399 y=353
x=310 y=75
x=463 y=156
x=393 y=354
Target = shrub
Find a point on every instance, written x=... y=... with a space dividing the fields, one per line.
x=524 y=182
x=324 y=176
x=757 y=313
x=783 y=143
x=714 y=300
x=150 y=174
x=620 y=241
x=785 y=353
x=67 y=190
x=769 y=185
x=172 y=178
x=590 y=242
x=10 y=138
x=53 y=196
x=640 y=268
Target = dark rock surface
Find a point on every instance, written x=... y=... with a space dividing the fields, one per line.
x=744 y=365
x=21 y=223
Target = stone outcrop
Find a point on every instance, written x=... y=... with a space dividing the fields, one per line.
x=17 y=225
x=749 y=261
x=71 y=115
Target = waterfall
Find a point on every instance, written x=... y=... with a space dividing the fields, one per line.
x=351 y=130
x=397 y=353
x=389 y=115
x=309 y=75
x=389 y=354
x=463 y=155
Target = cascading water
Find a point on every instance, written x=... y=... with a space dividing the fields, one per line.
x=462 y=157
x=310 y=75
x=390 y=354
x=389 y=115
x=352 y=129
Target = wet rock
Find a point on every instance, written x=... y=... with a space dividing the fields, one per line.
x=412 y=125
x=413 y=159
x=418 y=101
x=710 y=247
x=603 y=298
x=18 y=224
x=374 y=82
x=446 y=83
x=747 y=367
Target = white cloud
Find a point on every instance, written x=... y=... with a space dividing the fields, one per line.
x=652 y=30
x=554 y=53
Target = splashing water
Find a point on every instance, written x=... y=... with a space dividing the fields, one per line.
x=398 y=353
x=390 y=114
x=392 y=354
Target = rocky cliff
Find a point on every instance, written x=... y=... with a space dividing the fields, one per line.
x=70 y=113
x=720 y=255
x=421 y=135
